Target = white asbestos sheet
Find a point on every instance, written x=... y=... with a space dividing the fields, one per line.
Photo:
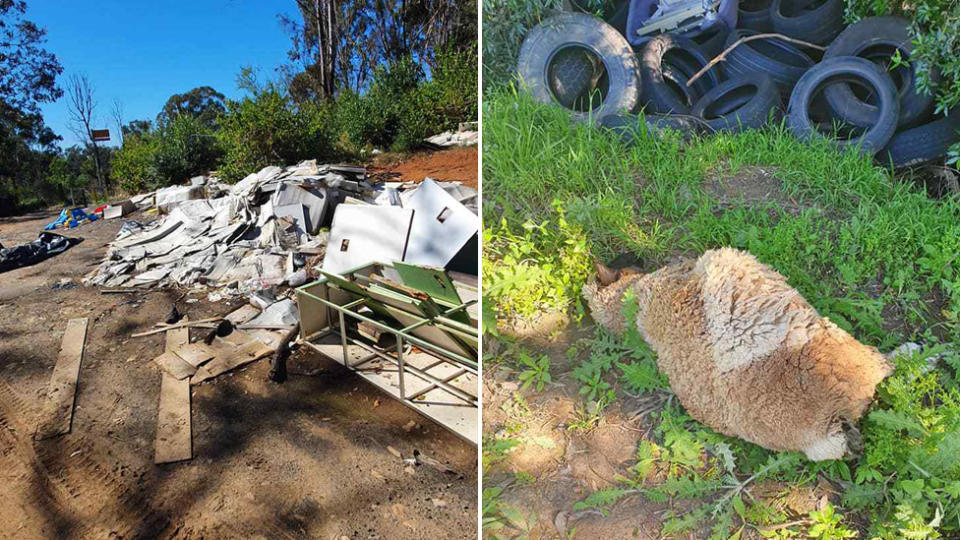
x=119 y=210
x=363 y=234
x=441 y=226
x=315 y=203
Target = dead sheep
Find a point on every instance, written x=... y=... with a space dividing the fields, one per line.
x=745 y=353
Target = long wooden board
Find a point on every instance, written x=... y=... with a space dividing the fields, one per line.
x=58 y=410
x=174 y=432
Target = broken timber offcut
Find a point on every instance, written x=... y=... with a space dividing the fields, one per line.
x=174 y=430
x=58 y=410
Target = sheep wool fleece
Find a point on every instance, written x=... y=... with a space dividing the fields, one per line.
x=746 y=354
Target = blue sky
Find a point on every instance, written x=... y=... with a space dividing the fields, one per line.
x=143 y=52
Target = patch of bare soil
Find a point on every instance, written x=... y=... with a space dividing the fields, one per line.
x=304 y=459
x=559 y=461
x=454 y=164
x=751 y=184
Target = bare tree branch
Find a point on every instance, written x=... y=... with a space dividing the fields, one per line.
x=117 y=113
x=82 y=106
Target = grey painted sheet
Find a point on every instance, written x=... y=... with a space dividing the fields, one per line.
x=315 y=202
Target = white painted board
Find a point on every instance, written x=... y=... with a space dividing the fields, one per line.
x=363 y=234
x=441 y=226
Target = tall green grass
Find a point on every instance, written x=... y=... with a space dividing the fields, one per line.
x=867 y=249
x=874 y=253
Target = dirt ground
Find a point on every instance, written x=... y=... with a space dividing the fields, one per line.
x=307 y=458
x=558 y=466
x=560 y=462
x=457 y=164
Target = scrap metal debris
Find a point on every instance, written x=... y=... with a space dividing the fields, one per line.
x=410 y=330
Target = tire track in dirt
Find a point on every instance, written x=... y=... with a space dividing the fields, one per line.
x=22 y=509
x=65 y=488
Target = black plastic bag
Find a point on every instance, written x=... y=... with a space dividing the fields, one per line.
x=44 y=247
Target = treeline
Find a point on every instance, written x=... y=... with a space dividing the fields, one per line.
x=400 y=108
x=363 y=74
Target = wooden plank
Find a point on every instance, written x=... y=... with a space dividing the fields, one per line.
x=195 y=354
x=270 y=338
x=177 y=337
x=243 y=314
x=175 y=366
x=233 y=351
x=58 y=411
x=178 y=325
x=174 y=432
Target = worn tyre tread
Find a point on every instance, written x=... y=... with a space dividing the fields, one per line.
x=819 y=25
x=753 y=114
x=878 y=135
x=858 y=37
x=922 y=144
x=657 y=94
x=578 y=29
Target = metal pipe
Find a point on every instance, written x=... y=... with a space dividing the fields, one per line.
x=343 y=340
x=432 y=386
x=400 y=364
x=423 y=344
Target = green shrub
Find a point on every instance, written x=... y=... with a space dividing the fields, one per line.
x=134 y=163
x=373 y=119
x=70 y=181
x=505 y=22
x=170 y=154
x=364 y=124
x=539 y=269
x=268 y=130
x=186 y=146
x=443 y=102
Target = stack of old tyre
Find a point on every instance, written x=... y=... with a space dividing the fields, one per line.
x=845 y=89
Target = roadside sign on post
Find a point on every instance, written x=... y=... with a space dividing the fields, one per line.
x=100 y=135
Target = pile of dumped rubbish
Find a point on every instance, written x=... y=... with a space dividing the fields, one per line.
x=700 y=67
x=466 y=135
x=270 y=229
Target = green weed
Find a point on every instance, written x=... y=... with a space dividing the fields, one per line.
x=537 y=373
x=539 y=268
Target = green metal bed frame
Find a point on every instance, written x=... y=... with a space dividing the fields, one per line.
x=325 y=308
